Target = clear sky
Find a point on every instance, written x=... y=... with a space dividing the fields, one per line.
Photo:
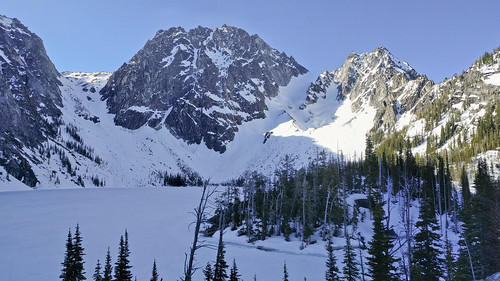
x=436 y=37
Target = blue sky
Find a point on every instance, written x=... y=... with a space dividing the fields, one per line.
x=436 y=37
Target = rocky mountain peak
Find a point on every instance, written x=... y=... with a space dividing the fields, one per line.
x=199 y=84
x=29 y=97
x=376 y=79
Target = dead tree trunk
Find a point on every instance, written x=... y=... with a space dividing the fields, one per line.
x=199 y=213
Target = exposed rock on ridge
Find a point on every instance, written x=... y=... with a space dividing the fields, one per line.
x=29 y=97
x=377 y=78
x=200 y=84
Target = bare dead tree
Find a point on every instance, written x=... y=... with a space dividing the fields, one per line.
x=199 y=213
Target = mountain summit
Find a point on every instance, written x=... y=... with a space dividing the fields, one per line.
x=218 y=103
x=376 y=79
x=200 y=84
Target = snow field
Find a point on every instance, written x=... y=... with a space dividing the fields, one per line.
x=34 y=227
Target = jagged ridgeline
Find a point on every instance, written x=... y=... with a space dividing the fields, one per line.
x=200 y=84
x=377 y=79
x=205 y=86
x=457 y=118
x=29 y=98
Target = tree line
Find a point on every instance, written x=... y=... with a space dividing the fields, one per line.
x=310 y=203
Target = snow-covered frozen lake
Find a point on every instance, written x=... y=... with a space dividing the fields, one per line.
x=34 y=226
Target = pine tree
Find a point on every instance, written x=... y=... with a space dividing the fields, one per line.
x=380 y=260
x=449 y=259
x=463 y=270
x=465 y=190
x=234 y=276
x=78 y=256
x=285 y=273
x=350 y=270
x=220 y=266
x=67 y=270
x=154 y=275
x=73 y=259
x=108 y=268
x=208 y=272
x=122 y=266
x=332 y=271
x=426 y=264
x=97 y=273
x=486 y=223
x=371 y=165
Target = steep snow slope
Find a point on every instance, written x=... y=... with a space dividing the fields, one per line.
x=462 y=100
x=137 y=157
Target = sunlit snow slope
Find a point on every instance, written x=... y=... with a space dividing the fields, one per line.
x=136 y=157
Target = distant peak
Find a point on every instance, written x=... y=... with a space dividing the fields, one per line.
x=381 y=50
x=173 y=31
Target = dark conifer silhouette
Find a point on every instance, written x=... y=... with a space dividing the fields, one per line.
x=97 y=273
x=122 y=265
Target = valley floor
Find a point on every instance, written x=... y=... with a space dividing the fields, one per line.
x=34 y=227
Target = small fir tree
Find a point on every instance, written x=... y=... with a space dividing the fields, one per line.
x=332 y=271
x=486 y=223
x=108 y=268
x=449 y=258
x=67 y=270
x=426 y=263
x=208 y=272
x=234 y=276
x=154 y=275
x=380 y=260
x=97 y=273
x=122 y=265
x=351 y=271
x=78 y=256
x=220 y=266
x=285 y=273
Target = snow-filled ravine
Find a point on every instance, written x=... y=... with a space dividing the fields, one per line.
x=34 y=226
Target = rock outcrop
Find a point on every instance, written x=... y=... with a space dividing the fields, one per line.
x=200 y=84
x=29 y=97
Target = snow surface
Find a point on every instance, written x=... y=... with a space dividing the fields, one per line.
x=4 y=57
x=7 y=25
x=158 y=221
x=9 y=183
x=135 y=158
x=159 y=224
x=493 y=79
x=5 y=21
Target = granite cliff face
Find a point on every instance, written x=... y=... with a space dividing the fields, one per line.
x=200 y=84
x=376 y=79
x=29 y=97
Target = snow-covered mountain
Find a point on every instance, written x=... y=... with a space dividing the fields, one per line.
x=30 y=99
x=213 y=103
x=201 y=84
